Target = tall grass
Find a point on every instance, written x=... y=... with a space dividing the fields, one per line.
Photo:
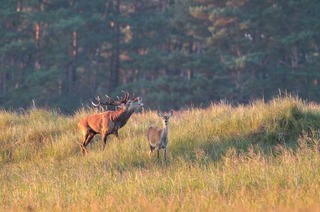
x=262 y=156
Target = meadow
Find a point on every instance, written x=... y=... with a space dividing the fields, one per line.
x=260 y=156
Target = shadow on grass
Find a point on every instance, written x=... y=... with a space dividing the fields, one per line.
x=284 y=132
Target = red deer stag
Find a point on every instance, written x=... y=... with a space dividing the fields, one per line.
x=157 y=137
x=108 y=122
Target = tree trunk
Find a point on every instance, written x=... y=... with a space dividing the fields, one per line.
x=190 y=71
x=37 y=64
x=72 y=65
x=4 y=85
x=115 y=57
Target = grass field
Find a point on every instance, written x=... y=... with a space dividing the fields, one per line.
x=262 y=156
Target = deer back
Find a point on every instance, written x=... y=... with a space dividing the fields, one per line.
x=97 y=122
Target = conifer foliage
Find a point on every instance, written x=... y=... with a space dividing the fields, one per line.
x=61 y=53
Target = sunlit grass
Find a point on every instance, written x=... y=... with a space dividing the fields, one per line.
x=262 y=156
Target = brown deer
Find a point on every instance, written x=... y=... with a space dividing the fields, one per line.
x=157 y=137
x=108 y=122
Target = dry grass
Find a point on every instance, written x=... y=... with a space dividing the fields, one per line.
x=264 y=156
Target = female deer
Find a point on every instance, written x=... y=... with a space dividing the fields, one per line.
x=157 y=137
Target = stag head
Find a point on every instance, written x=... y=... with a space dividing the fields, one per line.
x=134 y=104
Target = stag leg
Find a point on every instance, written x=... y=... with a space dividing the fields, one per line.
x=87 y=138
x=83 y=149
x=117 y=136
x=164 y=154
x=104 y=140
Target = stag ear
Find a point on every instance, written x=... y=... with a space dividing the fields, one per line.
x=160 y=114
x=170 y=113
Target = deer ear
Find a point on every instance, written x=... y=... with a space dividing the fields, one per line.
x=160 y=114
x=171 y=113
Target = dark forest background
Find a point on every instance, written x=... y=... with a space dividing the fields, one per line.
x=173 y=53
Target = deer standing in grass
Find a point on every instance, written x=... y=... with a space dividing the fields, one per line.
x=157 y=137
x=108 y=122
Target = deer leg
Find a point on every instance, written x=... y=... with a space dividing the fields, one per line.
x=85 y=136
x=151 y=150
x=88 y=138
x=164 y=154
x=158 y=150
x=83 y=150
x=104 y=140
x=117 y=135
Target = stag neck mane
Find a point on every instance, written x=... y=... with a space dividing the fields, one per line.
x=122 y=115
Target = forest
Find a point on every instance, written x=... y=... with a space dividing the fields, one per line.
x=173 y=53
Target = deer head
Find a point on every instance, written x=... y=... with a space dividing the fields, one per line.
x=165 y=118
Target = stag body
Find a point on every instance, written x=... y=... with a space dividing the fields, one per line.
x=107 y=123
x=157 y=137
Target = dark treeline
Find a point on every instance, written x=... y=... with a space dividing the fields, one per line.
x=173 y=53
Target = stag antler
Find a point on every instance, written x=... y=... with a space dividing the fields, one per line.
x=99 y=105
x=120 y=101
x=125 y=98
x=117 y=103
